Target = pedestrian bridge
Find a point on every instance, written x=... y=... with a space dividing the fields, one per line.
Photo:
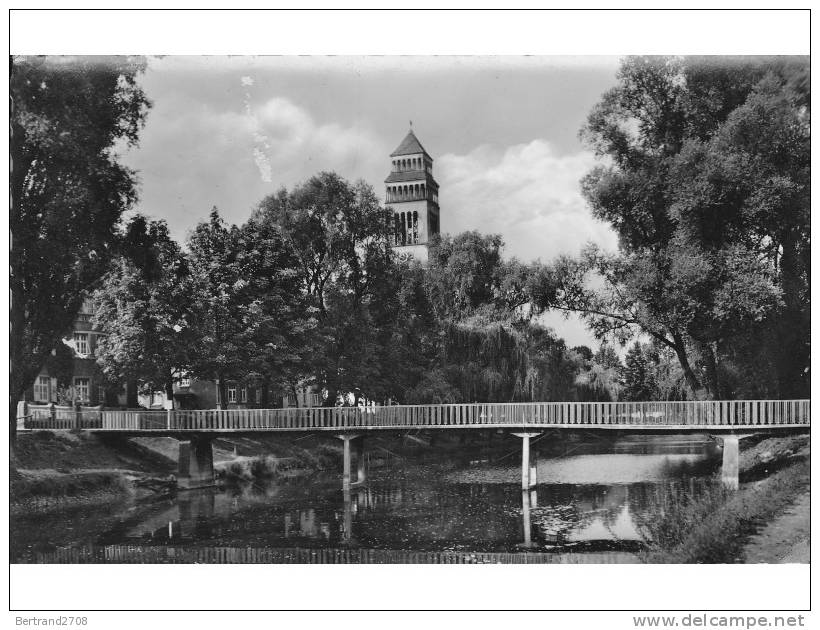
x=687 y=416
x=196 y=429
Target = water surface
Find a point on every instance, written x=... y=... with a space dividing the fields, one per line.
x=596 y=500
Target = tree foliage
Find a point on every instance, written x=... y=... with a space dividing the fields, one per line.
x=706 y=183
x=249 y=317
x=143 y=309
x=68 y=191
x=340 y=236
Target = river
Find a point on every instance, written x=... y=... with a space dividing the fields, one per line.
x=596 y=500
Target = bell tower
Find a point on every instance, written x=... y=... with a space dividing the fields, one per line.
x=412 y=194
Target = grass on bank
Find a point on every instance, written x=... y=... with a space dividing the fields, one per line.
x=715 y=526
x=49 y=491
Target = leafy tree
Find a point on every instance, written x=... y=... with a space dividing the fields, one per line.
x=464 y=273
x=651 y=372
x=68 y=192
x=252 y=322
x=636 y=375
x=606 y=357
x=340 y=236
x=598 y=377
x=280 y=321
x=220 y=291
x=143 y=307
x=584 y=353
x=707 y=187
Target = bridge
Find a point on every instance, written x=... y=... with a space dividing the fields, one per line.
x=731 y=419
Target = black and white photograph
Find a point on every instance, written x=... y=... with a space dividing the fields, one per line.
x=470 y=309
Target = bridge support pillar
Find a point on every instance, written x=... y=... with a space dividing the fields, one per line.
x=528 y=478
x=730 y=472
x=196 y=463
x=346 y=438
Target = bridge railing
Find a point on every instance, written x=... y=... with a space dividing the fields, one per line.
x=663 y=413
x=63 y=417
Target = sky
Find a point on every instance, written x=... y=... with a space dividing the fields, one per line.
x=502 y=131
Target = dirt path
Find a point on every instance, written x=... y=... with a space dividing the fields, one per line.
x=785 y=539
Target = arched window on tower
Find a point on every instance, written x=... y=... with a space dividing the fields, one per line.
x=415 y=227
x=403 y=228
x=423 y=194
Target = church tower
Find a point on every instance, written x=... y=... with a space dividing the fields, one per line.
x=412 y=194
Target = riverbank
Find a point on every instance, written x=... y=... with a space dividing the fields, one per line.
x=65 y=469
x=62 y=469
x=784 y=540
x=718 y=525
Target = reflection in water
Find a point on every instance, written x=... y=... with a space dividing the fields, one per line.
x=587 y=502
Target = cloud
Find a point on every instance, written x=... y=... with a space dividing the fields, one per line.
x=193 y=156
x=292 y=135
x=527 y=193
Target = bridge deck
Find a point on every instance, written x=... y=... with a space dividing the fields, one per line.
x=667 y=416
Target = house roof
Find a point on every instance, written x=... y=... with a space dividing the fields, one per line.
x=409 y=146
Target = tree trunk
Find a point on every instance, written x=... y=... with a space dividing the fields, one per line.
x=791 y=352
x=710 y=363
x=220 y=392
x=169 y=392
x=131 y=398
x=691 y=378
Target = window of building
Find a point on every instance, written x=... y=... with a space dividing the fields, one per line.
x=82 y=388
x=258 y=395
x=42 y=389
x=81 y=343
x=185 y=382
x=100 y=395
x=232 y=394
x=243 y=395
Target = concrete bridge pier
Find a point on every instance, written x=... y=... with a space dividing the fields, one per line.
x=347 y=438
x=196 y=463
x=528 y=475
x=730 y=471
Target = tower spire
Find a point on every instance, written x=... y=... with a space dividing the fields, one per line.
x=412 y=195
